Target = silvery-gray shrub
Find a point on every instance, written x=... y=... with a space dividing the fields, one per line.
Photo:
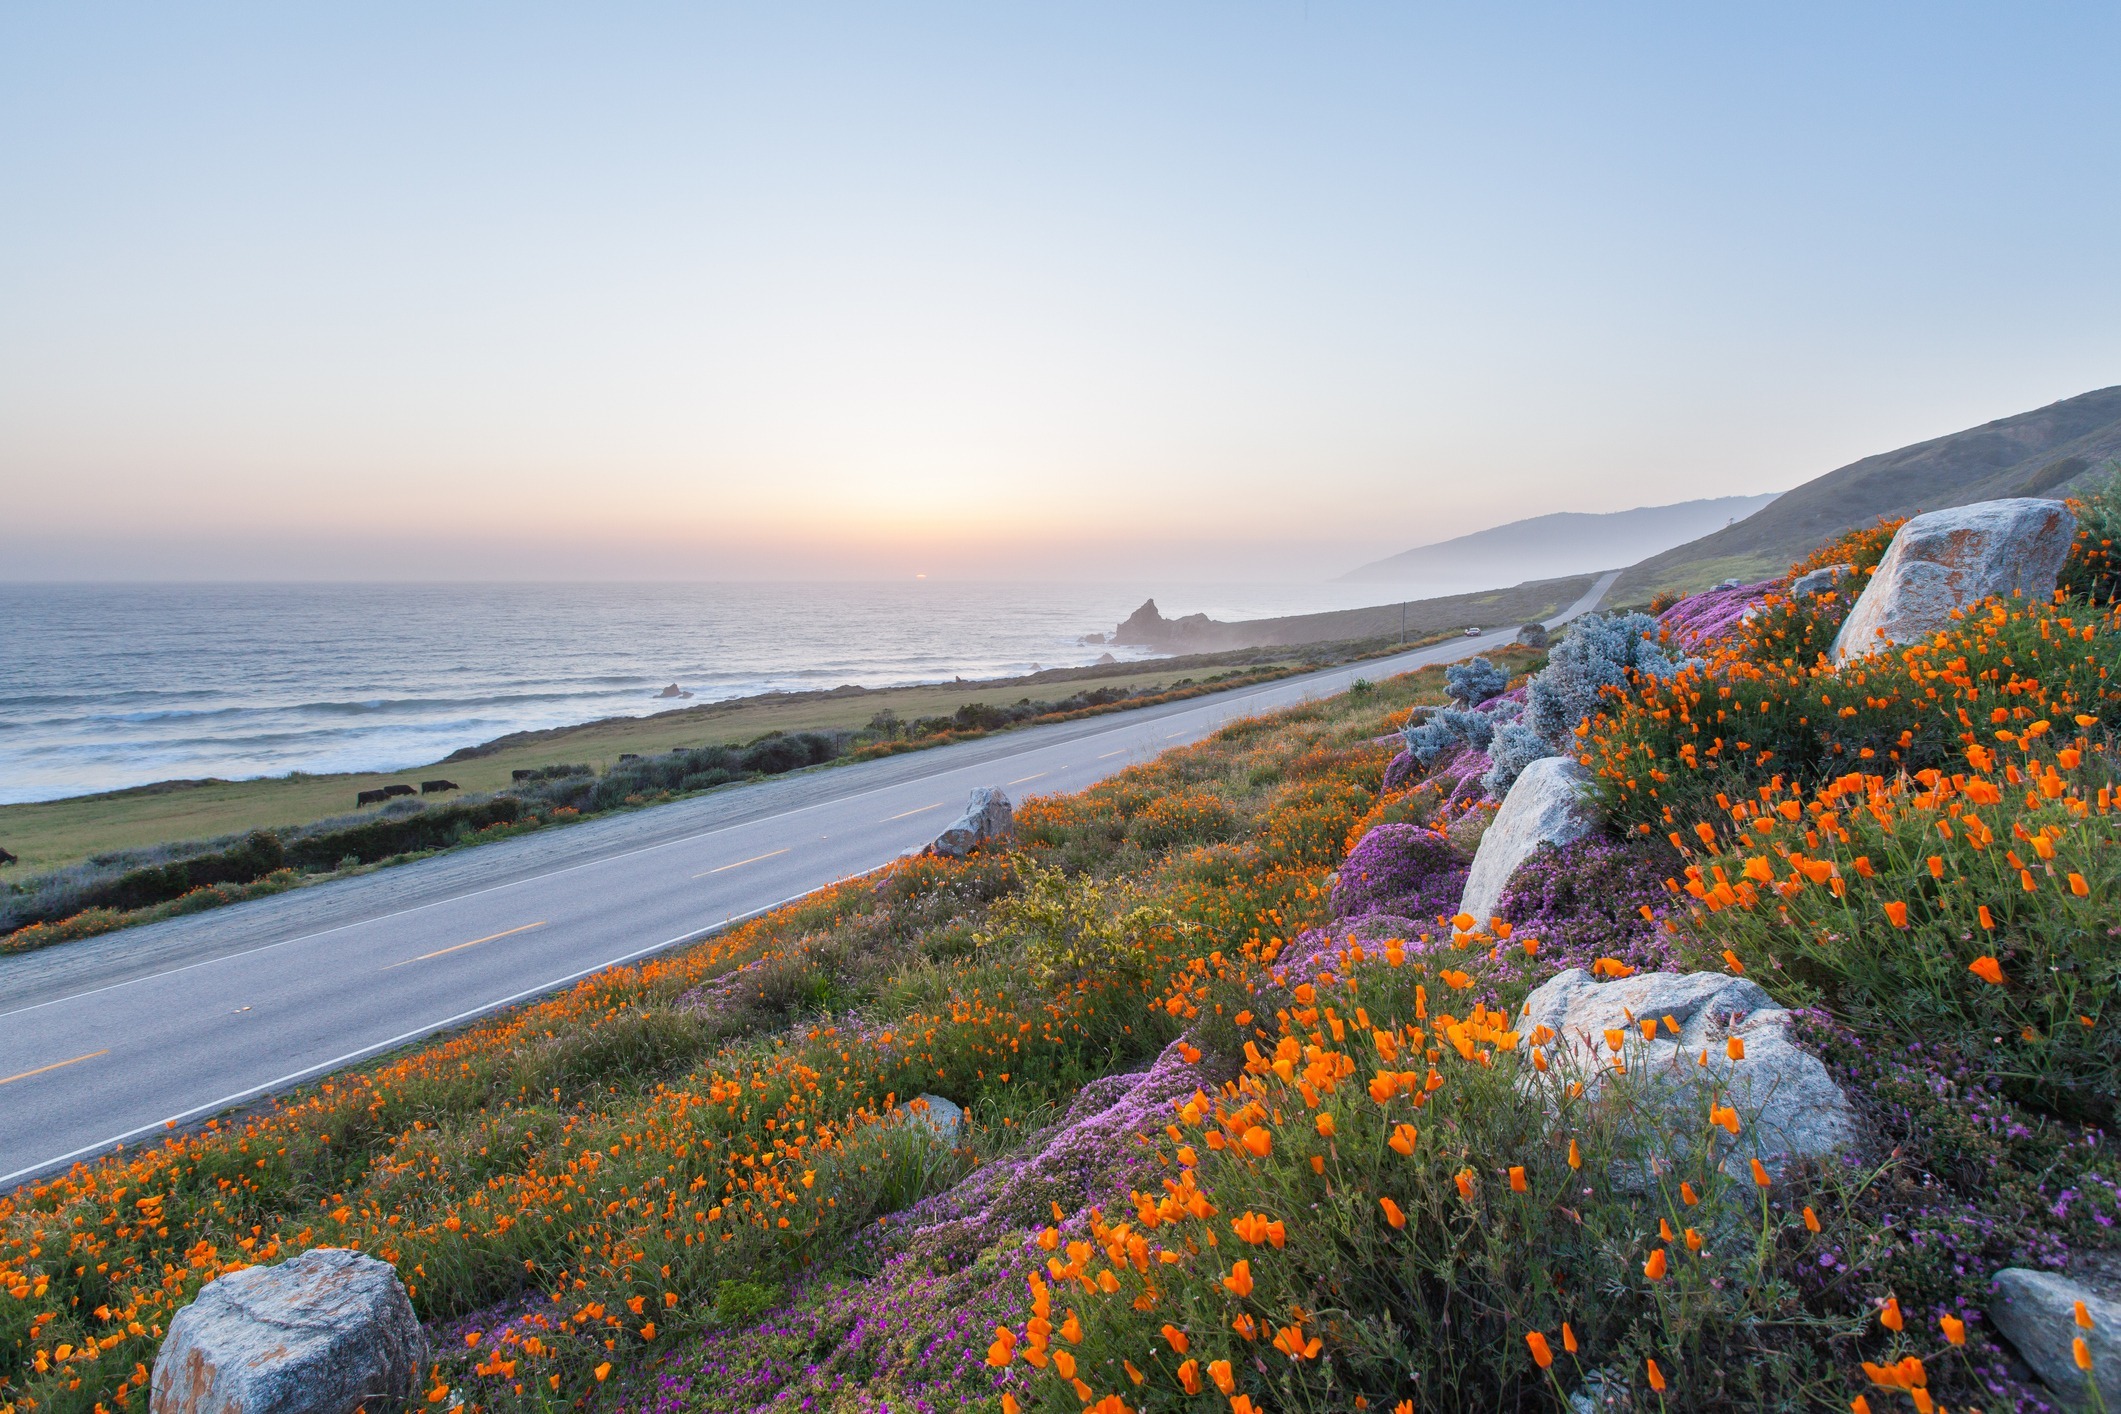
x=1599 y=653
x=1513 y=747
x=1474 y=681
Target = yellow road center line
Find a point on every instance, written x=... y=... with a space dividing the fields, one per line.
x=459 y=947
x=1021 y=779
x=741 y=862
x=915 y=811
x=1110 y=754
x=55 y=1065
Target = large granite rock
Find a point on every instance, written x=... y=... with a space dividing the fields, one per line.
x=1547 y=805
x=328 y=1332
x=1790 y=1106
x=2036 y=1312
x=987 y=821
x=1948 y=559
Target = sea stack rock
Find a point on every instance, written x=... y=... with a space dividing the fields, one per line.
x=1949 y=559
x=1547 y=805
x=328 y=1332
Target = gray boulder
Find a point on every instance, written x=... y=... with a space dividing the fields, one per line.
x=1819 y=581
x=1949 y=559
x=327 y=1332
x=987 y=821
x=2036 y=1312
x=1546 y=805
x=1789 y=1105
x=945 y=1117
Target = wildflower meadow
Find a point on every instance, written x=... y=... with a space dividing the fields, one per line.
x=1252 y=1120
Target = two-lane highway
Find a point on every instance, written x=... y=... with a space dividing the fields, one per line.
x=107 y=1040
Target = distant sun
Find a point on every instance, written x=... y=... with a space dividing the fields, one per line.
x=920 y=576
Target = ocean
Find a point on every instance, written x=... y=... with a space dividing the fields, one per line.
x=104 y=686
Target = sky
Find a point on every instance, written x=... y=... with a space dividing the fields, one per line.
x=1215 y=291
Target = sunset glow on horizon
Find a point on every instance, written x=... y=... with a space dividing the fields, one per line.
x=1255 y=294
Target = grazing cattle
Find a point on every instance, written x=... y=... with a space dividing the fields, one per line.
x=437 y=787
x=371 y=797
x=397 y=790
x=6 y=858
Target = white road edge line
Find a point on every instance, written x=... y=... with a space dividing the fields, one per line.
x=424 y=1029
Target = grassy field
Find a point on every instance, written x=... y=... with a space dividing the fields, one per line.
x=50 y=834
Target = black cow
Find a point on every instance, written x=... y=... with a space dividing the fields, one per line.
x=437 y=787
x=371 y=797
x=6 y=858
x=397 y=790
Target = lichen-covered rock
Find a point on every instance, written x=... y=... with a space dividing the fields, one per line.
x=1546 y=805
x=987 y=821
x=2036 y=1312
x=1792 y=1108
x=328 y=1332
x=1949 y=559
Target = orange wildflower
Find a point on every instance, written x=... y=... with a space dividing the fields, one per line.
x=1393 y=1213
x=1655 y=1268
x=1896 y=913
x=1988 y=970
x=1239 y=1281
x=1541 y=1355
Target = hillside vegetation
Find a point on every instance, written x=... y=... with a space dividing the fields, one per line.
x=1564 y=542
x=1250 y=1122
x=2050 y=451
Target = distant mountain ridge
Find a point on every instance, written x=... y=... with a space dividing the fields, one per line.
x=2050 y=451
x=1564 y=542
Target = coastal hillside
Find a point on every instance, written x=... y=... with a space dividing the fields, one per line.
x=1565 y=542
x=1513 y=1036
x=2049 y=451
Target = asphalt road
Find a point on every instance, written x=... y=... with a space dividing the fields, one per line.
x=109 y=1039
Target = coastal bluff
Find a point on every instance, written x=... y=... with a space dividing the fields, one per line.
x=1147 y=627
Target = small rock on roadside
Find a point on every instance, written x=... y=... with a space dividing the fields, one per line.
x=327 y=1332
x=2036 y=1312
x=987 y=821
